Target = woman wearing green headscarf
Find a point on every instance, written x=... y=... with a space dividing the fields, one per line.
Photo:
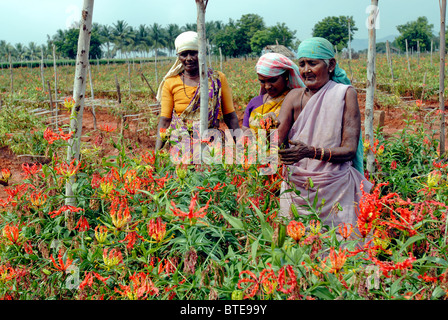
x=321 y=128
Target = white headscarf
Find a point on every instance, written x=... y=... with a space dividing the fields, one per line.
x=188 y=40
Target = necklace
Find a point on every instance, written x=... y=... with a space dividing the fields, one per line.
x=183 y=83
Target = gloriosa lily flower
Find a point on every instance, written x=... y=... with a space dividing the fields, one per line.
x=157 y=229
x=191 y=214
x=295 y=230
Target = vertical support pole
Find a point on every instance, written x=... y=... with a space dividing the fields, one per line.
x=442 y=51
x=201 y=6
x=79 y=89
x=371 y=83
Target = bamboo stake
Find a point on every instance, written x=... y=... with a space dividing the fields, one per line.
x=220 y=58
x=79 y=89
x=92 y=97
x=11 y=77
x=55 y=74
x=442 y=50
x=42 y=68
x=49 y=96
x=407 y=56
x=389 y=59
x=371 y=82
x=201 y=7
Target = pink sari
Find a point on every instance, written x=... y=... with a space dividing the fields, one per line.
x=320 y=124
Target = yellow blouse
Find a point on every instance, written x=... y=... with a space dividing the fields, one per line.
x=173 y=96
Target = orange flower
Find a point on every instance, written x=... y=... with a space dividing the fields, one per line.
x=295 y=230
x=112 y=258
x=63 y=209
x=286 y=275
x=106 y=128
x=11 y=232
x=191 y=214
x=345 y=231
x=6 y=173
x=68 y=170
x=61 y=265
x=157 y=229
x=101 y=233
x=337 y=259
x=120 y=214
x=38 y=199
x=30 y=170
x=162 y=133
x=83 y=224
x=139 y=288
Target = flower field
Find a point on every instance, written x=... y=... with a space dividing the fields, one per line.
x=146 y=228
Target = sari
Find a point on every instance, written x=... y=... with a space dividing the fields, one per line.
x=183 y=132
x=259 y=112
x=319 y=123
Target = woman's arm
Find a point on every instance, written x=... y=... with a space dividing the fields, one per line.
x=351 y=127
x=164 y=123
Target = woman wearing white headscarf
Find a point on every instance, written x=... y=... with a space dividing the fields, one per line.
x=179 y=92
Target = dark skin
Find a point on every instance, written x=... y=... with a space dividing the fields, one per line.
x=274 y=87
x=316 y=74
x=191 y=77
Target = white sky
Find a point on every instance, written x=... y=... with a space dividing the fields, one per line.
x=23 y=21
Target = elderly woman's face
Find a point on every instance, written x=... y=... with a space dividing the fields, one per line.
x=274 y=86
x=189 y=60
x=314 y=72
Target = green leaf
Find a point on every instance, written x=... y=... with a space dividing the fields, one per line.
x=323 y=293
x=411 y=241
x=235 y=222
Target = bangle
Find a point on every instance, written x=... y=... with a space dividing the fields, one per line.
x=322 y=154
x=315 y=151
x=330 y=155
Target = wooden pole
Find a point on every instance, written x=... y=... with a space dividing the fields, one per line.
x=407 y=55
x=92 y=97
x=11 y=77
x=220 y=58
x=442 y=49
x=55 y=74
x=49 y=96
x=42 y=68
x=432 y=45
x=201 y=7
x=371 y=83
x=79 y=89
x=389 y=59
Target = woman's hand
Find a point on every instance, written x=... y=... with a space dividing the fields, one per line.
x=297 y=151
x=273 y=117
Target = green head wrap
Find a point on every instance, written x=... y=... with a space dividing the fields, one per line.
x=320 y=48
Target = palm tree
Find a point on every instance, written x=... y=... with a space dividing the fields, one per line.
x=33 y=50
x=105 y=34
x=172 y=31
x=20 y=50
x=122 y=35
x=143 y=40
x=158 y=41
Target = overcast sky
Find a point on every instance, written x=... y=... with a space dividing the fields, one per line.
x=23 y=21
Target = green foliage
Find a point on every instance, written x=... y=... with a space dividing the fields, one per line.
x=419 y=30
x=68 y=45
x=335 y=30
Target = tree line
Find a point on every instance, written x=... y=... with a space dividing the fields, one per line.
x=245 y=36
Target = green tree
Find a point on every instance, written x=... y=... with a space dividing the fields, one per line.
x=68 y=46
x=419 y=30
x=335 y=30
x=247 y=26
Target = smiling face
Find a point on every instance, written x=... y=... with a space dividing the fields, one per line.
x=274 y=86
x=189 y=60
x=315 y=72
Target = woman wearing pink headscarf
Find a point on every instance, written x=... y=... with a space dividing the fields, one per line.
x=277 y=75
